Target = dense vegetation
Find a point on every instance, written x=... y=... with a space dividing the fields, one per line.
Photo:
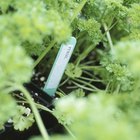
x=105 y=65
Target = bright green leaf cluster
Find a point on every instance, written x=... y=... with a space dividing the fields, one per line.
x=64 y=7
x=7 y=108
x=134 y=21
x=117 y=75
x=31 y=22
x=73 y=71
x=15 y=66
x=92 y=117
x=104 y=11
x=129 y=2
x=120 y=72
x=131 y=49
x=97 y=25
x=22 y=120
x=92 y=27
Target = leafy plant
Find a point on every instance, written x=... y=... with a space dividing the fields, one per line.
x=105 y=65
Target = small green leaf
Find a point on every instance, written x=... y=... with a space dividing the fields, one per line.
x=73 y=71
x=78 y=92
x=22 y=120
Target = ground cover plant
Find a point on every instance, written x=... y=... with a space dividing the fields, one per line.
x=99 y=95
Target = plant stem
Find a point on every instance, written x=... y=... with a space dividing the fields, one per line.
x=108 y=36
x=83 y=87
x=90 y=67
x=77 y=11
x=117 y=89
x=84 y=54
x=36 y=113
x=39 y=106
x=90 y=79
x=43 y=54
x=88 y=73
x=61 y=84
x=111 y=26
x=107 y=87
x=50 y=111
x=69 y=131
x=71 y=87
x=88 y=62
x=85 y=83
x=61 y=91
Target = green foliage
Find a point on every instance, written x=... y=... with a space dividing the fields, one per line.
x=96 y=112
x=64 y=7
x=105 y=10
x=78 y=92
x=15 y=66
x=105 y=64
x=129 y=2
x=92 y=27
x=134 y=21
x=64 y=117
x=23 y=119
x=73 y=71
x=116 y=74
x=38 y=24
x=131 y=58
x=7 y=108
